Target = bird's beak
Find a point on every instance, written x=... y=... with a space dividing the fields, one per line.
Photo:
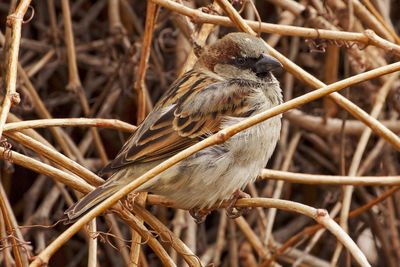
x=266 y=64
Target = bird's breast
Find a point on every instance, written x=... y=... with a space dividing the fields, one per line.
x=254 y=146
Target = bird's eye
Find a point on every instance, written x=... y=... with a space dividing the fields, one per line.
x=240 y=61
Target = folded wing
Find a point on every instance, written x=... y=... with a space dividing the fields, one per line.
x=191 y=109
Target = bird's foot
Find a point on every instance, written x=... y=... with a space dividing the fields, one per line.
x=199 y=215
x=233 y=212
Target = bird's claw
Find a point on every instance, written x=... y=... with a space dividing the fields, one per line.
x=199 y=215
x=233 y=212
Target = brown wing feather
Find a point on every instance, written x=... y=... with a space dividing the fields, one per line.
x=156 y=138
x=192 y=108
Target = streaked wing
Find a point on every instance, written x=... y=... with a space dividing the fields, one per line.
x=192 y=108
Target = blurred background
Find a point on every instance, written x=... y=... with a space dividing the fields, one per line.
x=317 y=138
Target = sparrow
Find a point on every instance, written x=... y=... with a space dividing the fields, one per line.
x=231 y=81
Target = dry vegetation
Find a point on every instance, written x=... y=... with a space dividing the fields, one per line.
x=103 y=64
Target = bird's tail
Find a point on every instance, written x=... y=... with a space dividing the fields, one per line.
x=89 y=201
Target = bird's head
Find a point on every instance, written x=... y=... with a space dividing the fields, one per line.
x=239 y=56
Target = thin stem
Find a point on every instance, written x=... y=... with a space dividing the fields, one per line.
x=74 y=82
x=92 y=248
x=305 y=178
x=141 y=90
x=15 y=22
x=75 y=122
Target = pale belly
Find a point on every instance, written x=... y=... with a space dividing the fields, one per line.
x=213 y=174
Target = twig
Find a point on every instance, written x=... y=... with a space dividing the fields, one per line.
x=119 y=237
x=43 y=112
x=303 y=178
x=57 y=157
x=74 y=83
x=139 y=83
x=141 y=90
x=178 y=224
x=312 y=229
x=220 y=242
x=331 y=125
x=200 y=40
x=378 y=16
x=316 y=237
x=58 y=175
x=291 y=149
x=41 y=63
x=53 y=22
x=252 y=237
x=116 y=26
x=167 y=236
x=74 y=80
x=92 y=250
x=148 y=237
x=11 y=97
x=10 y=230
x=233 y=245
x=321 y=216
x=84 y=122
x=380 y=42
x=372 y=22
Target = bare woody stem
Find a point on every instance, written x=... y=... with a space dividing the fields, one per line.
x=298 y=72
x=139 y=85
x=10 y=232
x=83 y=122
x=74 y=82
x=305 y=178
x=15 y=22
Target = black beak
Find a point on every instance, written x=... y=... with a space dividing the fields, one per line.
x=265 y=64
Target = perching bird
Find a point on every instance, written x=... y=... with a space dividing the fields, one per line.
x=231 y=81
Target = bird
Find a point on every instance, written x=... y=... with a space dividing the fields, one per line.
x=231 y=81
